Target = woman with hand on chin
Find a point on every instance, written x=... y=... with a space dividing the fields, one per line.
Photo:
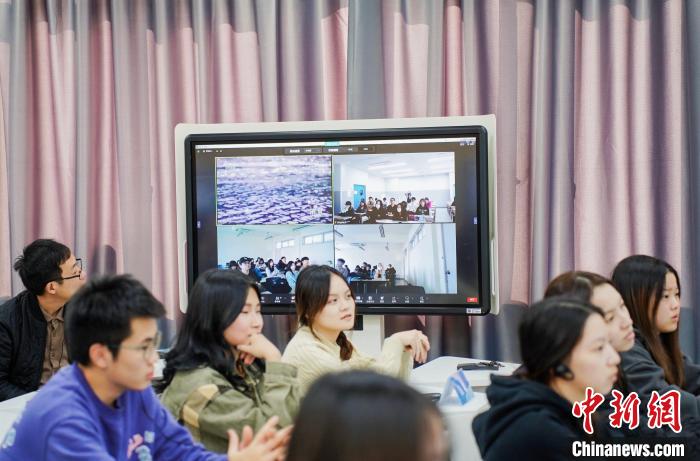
x=325 y=310
x=222 y=372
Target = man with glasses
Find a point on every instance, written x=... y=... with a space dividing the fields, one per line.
x=32 y=346
x=102 y=406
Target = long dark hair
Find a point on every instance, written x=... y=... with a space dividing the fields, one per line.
x=640 y=279
x=216 y=300
x=549 y=331
x=362 y=416
x=311 y=296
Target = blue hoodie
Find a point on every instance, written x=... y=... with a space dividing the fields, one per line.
x=66 y=421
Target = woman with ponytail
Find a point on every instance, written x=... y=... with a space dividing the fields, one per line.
x=325 y=310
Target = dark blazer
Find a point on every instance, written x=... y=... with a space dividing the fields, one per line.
x=22 y=344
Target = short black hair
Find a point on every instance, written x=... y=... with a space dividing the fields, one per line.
x=548 y=332
x=362 y=415
x=341 y=260
x=101 y=312
x=304 y=258
x=40 y=263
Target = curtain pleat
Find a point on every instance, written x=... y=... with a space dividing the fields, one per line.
x=597 y=106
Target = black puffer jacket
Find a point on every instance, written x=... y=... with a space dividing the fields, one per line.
x=527 y=421
x=22 y=344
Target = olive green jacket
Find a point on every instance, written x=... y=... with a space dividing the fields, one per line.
x=208 y=404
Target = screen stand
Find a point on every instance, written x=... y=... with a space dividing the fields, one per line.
x=368 y=334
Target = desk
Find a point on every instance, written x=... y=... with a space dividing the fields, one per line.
x=431 y=377
x=9 y=410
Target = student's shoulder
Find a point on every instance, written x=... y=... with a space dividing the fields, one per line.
x=197 y=376
x=8 y=308
x=304 y=343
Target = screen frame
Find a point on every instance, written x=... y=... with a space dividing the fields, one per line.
x=188 y=135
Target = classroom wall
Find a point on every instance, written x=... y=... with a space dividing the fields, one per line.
x=419 y=187
x=373 y=254
x=425 y=260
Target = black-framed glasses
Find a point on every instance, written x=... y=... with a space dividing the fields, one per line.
x=79 y=262
x=146 y=349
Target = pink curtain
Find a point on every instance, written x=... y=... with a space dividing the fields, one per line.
x=592 y=99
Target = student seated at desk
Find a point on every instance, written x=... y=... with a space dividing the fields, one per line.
x=325 y=309
x=102 y=406
x=222 y=372
x=565 y=349
x=365 y=416
x=422 y=209
x=651 y=290
x=32 y=345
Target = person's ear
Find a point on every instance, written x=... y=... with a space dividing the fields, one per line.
x=100 y=355
x=51 y=287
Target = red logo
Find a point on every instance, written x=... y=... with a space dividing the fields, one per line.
x=662 y=410
x=586 y=408
x=472 y=300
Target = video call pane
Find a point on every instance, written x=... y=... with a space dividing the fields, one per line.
x=294 y=189
x=394 y=188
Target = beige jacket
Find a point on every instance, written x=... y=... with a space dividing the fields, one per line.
x=314 y=357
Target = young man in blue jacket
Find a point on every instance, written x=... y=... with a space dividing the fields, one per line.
x=102 y=406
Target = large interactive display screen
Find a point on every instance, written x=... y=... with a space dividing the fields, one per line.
x=402 y=213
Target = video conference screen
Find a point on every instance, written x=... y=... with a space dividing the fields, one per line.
x=401 y=214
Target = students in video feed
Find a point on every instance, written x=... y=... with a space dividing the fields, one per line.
x=290 y=274
x=372 y=214
x=400 y=214
x=349 y=211
x=102 y=406
x=365 y=416
x=271 y=269
x=412 y=205
x=565 y=349
x=222 y=372
x=342 y=268
x=651 y=290
x=390 y=274
x=325 y=309
x=422 y=208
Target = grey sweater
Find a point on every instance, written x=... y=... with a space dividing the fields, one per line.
x=644 y=375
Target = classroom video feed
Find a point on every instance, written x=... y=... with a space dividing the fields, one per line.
x=394 y=188
x=403 y=259
x=274 y=255
x=290 y=189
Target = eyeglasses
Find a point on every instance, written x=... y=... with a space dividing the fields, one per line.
x=79 y=262
x=146 y=349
